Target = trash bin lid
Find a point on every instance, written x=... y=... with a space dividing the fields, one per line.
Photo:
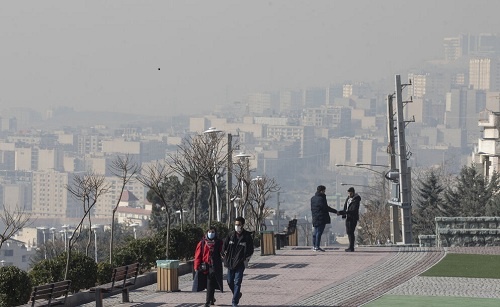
x=167 y=264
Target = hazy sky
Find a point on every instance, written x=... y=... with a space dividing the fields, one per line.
x=105 y=55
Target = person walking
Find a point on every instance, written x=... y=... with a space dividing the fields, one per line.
x=320 y=215
x=351 y=216
x=237 y=250
x=208 y=265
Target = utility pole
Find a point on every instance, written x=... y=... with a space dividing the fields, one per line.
x=394 y=209
x=278 y=214
x=404 y=174
x=229 y=179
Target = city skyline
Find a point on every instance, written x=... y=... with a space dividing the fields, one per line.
x=167 y=58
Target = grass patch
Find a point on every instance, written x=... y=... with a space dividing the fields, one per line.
x=428 y=301
x=466 y=265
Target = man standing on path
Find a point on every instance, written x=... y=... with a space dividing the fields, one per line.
x=351 y=216
x=237 y=250
x=320 y=216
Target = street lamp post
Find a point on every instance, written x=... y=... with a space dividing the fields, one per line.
x=43 y=228
x=244 y=162
x=211 y=131
x=357 y=185
x=65 y=230
x=394 y=191
x=53 y=230
x=134 y=226
x=181 y=216
x=257 y=182
x=394 y=226
x=94 y=228
x=236 y=201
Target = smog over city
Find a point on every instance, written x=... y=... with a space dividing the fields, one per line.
x=272 y=98
x=104 y=56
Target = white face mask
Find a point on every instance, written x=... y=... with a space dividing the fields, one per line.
x=237 y=228
x=211 y=235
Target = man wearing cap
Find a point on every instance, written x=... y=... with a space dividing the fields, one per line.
x=320 y=216
x=351 y=216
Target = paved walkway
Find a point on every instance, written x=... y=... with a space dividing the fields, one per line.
x=298 y=276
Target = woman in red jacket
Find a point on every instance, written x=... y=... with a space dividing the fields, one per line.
x=208 y=265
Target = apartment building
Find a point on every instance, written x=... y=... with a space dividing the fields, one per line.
x=105 y=204
x=16 y=253
x=486 y=154
x=51 y=199
x=484 y=74
x=348 y=150
x=327 y=116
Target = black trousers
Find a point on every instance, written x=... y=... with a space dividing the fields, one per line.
x=211 y=282
x=350 y=227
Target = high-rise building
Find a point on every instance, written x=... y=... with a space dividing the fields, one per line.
x=51 y=198
x=484 y=74
x=259 y=103
x=483 y=44
x=314 y=97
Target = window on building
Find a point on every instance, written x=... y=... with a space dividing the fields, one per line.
x=8 y=253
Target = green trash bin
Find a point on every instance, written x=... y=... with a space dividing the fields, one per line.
x=167 y=276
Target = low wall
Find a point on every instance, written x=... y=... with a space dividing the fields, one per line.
x=144 y=280
x=467 y=231
x=427 y=240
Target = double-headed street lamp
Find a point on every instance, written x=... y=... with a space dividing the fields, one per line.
x=64 y=231
x=357 y=185
x=244 y=164
x=214 y=131
x=392 y=175
x=43 y=228
x=53 y=230
x=229 y=178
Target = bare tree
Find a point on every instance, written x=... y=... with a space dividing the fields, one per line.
x=374 y=223
x=155 y=177
x=124 y=169
x=13 y=221
x=87 y=189
x=188 y=162
x=241 y=171
x=261 y=189
x=213 y=146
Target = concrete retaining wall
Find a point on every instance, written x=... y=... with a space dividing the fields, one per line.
x=149 y=278
x=427 y=240
x=467 y=231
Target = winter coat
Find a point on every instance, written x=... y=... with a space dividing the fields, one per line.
x=237 y=249
x=204 y=254
x=320 y=210
x=351 y=208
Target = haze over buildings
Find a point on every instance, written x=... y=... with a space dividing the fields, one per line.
x=301 y=86
x=104 y=56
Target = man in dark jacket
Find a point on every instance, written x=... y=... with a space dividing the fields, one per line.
x=320 y=215
x=351 y=216
x=237 y=250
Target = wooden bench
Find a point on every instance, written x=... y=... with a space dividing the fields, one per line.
x=283 y=238
x=50 y=294
x=122 y=280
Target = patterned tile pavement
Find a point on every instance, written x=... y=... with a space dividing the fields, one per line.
x=298 y=276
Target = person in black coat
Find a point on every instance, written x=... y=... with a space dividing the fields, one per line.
x=237 y=250
x=320 y=215
x=351 y=216
x=208 y=265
